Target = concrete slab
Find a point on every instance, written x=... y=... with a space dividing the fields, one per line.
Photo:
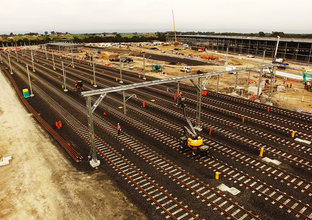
x=303 y=141
x=5 y=161
x=231 y=190
x=268 y=160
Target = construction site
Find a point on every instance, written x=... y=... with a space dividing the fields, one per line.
x=194 y=127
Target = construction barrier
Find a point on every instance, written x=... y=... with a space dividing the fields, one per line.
x=217 y=175
x=261 y=152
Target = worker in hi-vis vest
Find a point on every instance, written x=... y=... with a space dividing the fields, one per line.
x=118 y=128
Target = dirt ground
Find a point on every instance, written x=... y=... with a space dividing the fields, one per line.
x=291 y=98
x=40 y=183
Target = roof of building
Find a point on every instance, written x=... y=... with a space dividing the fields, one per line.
x=63 y=44
x=300 y=40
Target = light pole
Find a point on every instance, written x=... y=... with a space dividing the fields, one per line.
x=64 y=75
x=144 y=66
x=10 y=63
x=73 y=65
x=46 y=52
x=120 y=67
x=31 y=91
x=94 y=80
x=53 y=61
x=16 y=54
x=32 y=61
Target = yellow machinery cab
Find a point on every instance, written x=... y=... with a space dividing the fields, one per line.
x=194 y=144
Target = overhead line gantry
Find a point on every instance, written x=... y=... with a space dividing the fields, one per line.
x=94 y=162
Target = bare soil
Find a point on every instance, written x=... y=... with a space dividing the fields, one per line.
x=291 y=98
x=40 y=183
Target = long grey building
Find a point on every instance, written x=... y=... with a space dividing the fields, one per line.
x=295 y=49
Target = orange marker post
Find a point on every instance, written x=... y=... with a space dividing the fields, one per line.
x=210 y=131
x=268 y=109
x=261 y=152
x=217 y=175
x=243 y=120
x=143 y=104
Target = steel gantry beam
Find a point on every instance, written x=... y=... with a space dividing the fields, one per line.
x=94 y=162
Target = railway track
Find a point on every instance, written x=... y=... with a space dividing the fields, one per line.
x=172 y=124
x=231 y=209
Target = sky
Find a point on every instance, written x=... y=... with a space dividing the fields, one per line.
x=98 y=16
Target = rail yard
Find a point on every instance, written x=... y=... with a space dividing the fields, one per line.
x=259 y=159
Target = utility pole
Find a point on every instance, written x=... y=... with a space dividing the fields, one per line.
x=227 y=57
x=16 y=55
x=94 y=80
x=259 y=83
x=53 y=61
x=263 y=56
x=94 y=162
x=10 y=63
x=124 y=101
x=236 y=79
x=120 y=67
x=73 y=64
x=31 y=91
x=218 y=80
x=64 y=75
x=46 y=52
x=274 y=58
x=248 y=78
x=32 y=61
x=272 y=85
x=199 y=104
x=144 y=66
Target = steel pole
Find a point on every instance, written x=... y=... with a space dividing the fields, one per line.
x=94 y=80
x=64 y=75
x=94 y=162
x=248 y=78
x=236 y=79
x=73 y=59
x=199 y=102
x=16 y=55
x=124 y=101
x=272 y=84
x=31 y=91
x=53 y=61
x=144 y=77
x=120 y=67
x=218 y=80
x=46 y=52
x=10 y=63
x=32 y=61
x=259 y=83
x=263 y=56
x=227 y=58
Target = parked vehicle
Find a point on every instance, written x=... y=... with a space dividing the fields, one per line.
x=186 y=69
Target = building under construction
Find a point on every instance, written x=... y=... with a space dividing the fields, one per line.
x=64 y=46
x=290 y=48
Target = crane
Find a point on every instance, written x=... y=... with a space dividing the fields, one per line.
x=175 y=33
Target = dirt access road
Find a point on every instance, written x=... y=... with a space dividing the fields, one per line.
x=40 y=183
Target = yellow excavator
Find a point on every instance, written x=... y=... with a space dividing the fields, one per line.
x=190 y=139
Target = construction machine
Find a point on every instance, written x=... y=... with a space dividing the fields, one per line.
x=157 y=67
x=191 y=139
x=307 y=82
x=78 y=86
